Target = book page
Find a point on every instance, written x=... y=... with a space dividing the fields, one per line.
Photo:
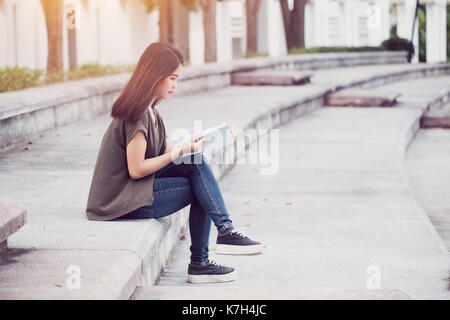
x=216 y=137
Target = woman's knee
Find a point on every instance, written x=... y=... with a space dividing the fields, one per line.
x=195 y=159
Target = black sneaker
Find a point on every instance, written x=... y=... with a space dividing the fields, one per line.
x=210 y=272
x=235 y=242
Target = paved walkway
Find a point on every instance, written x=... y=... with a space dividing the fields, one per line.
x=340 y=214
x=427 y=164
x=337 y=211
x=337 y=208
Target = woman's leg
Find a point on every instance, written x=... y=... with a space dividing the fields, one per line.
x=204 y=187
x=206 y=190
x=199 y=229
x=172 y=194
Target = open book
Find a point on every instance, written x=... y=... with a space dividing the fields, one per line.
x=216 y=137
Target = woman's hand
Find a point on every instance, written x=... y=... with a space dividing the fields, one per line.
x=190 y=145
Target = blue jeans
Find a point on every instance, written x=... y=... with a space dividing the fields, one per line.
x=178 y=185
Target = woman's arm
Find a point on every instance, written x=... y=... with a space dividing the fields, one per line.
x=169 y=146
x=139 y=167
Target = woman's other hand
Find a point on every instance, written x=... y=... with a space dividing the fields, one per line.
x=190 y=145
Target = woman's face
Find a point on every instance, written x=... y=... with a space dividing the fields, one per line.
x=167 y=86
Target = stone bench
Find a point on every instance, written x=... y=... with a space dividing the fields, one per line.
x=271 y=77
x=12 y=218
x=362 y=98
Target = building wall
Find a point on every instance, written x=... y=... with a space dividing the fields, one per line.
x=436 y=46
x=346 y=22
x=23 y=37
x=107 y=31
x=3 y=42
x=236 y=38
x=118 y=31
x=271 y=35
x=197 y=42
x=223 y=31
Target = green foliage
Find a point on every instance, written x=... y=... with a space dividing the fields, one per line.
x=55 y=76
x=191 y=5
x=421 y=17
x=18 y=78
x=333 y=49
x=252 y=54
x=393 y=9
x=94 y=69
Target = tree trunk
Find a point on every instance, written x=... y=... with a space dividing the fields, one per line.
x=54 y=11
x=294 y=23
x=209 y=25
x=165 y=21
x=286 y=22
x=252 y=8
x=298 y=24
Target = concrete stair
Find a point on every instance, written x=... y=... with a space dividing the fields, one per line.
x=217 y=292
x=437 y=118
x=271 y=77
x=362 y=98
x=12 y=218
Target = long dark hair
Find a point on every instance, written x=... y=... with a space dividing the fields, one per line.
x=158 y=61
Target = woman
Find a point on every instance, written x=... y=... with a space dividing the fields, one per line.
x=135 y=176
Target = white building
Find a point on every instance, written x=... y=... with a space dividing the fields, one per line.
x=117 y=31
x=346 y=23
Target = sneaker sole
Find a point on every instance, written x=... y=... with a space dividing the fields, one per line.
x=239 y=250
x=205 y=278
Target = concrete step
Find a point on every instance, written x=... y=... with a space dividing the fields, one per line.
x=362 y=98
x=271 y=77
x=12 y=218
x=436 y=118
x=217 y=292
x=26 y=113
x=68 y=274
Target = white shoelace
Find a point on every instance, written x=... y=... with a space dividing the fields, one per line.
x=215 y=263
x=239 y=233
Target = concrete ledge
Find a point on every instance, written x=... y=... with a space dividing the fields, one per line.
x=418 y=71
x=362 y=98
x=25 y=113
x=154 y=259
x=12 y=218
x=436 y=122
x=409 y=129
x=68 y=274
x=437 y=114
x=270 y=77
x=237 y=293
